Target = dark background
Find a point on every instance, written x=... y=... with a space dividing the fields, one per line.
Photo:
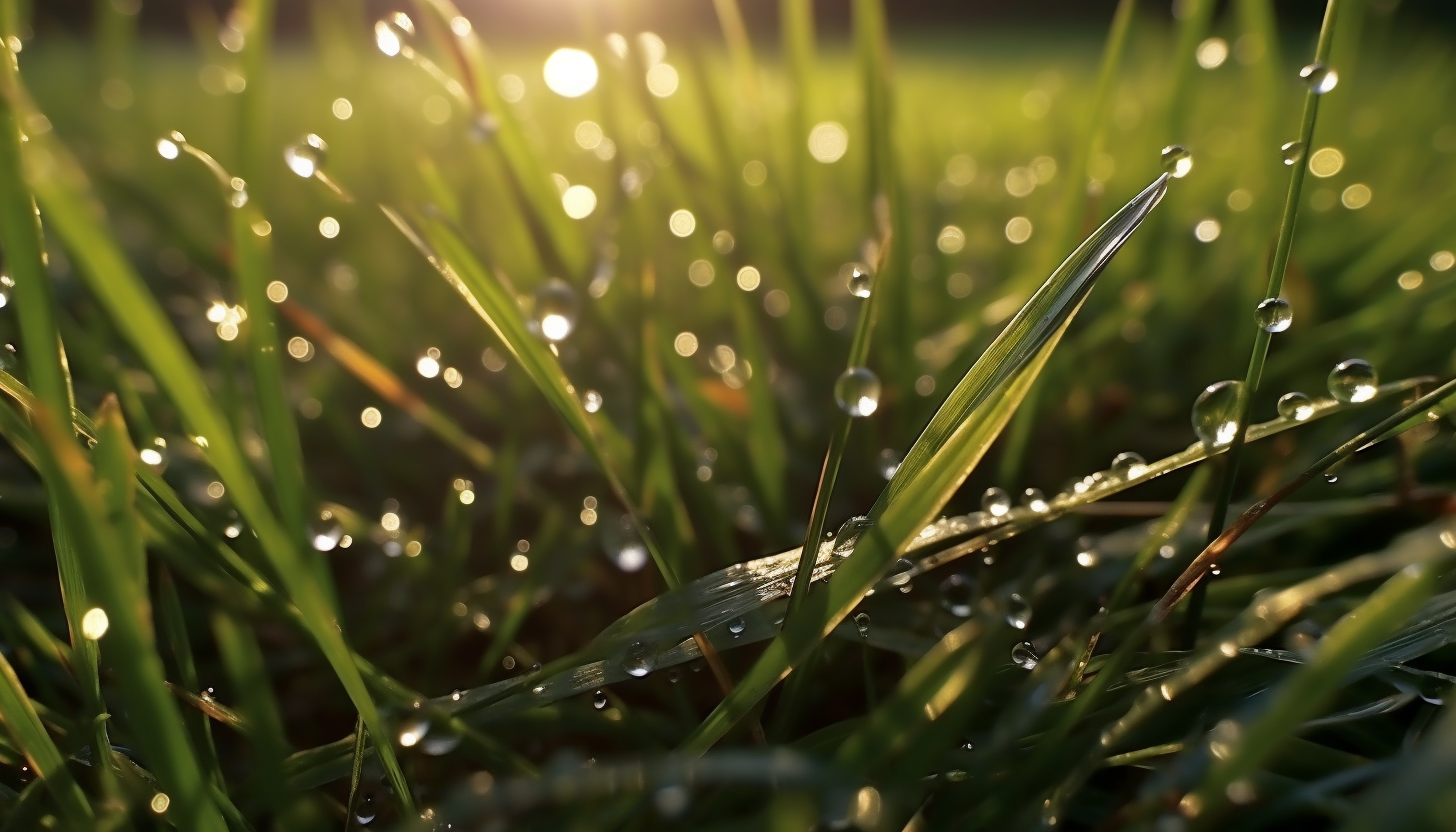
x=544 y=19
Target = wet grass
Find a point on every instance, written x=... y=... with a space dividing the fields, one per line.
x=424 y=489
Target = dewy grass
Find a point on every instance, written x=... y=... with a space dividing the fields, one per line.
x=296 y=535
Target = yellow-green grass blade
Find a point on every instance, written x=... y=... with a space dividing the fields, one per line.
x=957 y=437
x=41 y=753
x=117 y=287
x=156 y=723
x=20 y=233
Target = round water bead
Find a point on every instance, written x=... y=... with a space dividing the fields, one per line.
x=1128 y=465
x=862 y=623
x=394 y=33
x=1292 y=153
x=737 y=626
x=1018 y=611
x=1319 y=78
x=996 y=502
x=556 y=309
x=1295 y=405
x=325 y=531
x=958 y=595
x=1273 y=314
x=1034 y=499
x=857 y=391
x=154 y=456
x=1353 y=381
x=366 y=811
x=639 y=660
x=1177 y=161
x=888 y=462
x=860 y=279
x=1024 y=656
x=306 y=156
x=1216 y=413
x=599 y=700
x=848 y=535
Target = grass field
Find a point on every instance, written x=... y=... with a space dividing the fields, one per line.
x=451 y=471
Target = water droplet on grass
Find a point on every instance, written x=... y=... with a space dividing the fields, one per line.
x=860 y=279
x=306 y=156
x=1353 y=381
x=639 y=660
x=556 y=309
x=1018 y=611
x=1215 y=413
x=737 y=626
x=857 y=391
x=599 y=700
x=1292 y=153
x=1177 y=161
x=1034 y=499
x=325 y=531
x=1273 y=314
x=862 y=623
x=1128 y=465
x=1024 y=656
x=1295 y=405
x=996 y=502
x=849 y=534
x=1319 y=78
x=366 y=811
x=888 y=462
x=957 y=595
x=394 y=33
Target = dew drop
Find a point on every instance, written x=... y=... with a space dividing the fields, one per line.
x=1128 y=465
x=862 y=623
x=393 y=34
x=325 y=531
x=737 y=626
x=1177 y=161
x=1024 y=656
x=957 y=595
x=1353 y=381
x=556 y=309
x=1319 y=78
x=413 y=731
x=591 y=400
x=1295 y=405
x=1216 y=413
x=440 y=742
x=1292 y=153
x=639 y=660
x=901 y=572
x=1331 y=478
x=857 y=391
x=860 y=279
x=1018 y=611
x=888 y=462
x=1034 y=499
x=154 y=456
x=366 y=811
x=306 y=156
x=599 y=700
x=1273 y=314
x=849 y=534
x=996 y=502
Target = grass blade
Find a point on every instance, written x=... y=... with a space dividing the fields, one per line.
x=41 y=753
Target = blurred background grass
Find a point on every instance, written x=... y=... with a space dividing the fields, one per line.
x=985 y=127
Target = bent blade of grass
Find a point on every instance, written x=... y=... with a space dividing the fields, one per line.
x=157 y=724
x=1304 y=693
x=955 y=440
x=18 y=715
x=121 y=292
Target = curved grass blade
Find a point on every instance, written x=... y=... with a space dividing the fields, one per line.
x=1300 y=696
x=19 y=716
x=956 y=438
x=119 y=289
x=158 y=725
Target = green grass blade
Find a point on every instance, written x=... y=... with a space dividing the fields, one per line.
x=120 y=290
x=158 y=726
x=44 y=758
x=248 y=673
